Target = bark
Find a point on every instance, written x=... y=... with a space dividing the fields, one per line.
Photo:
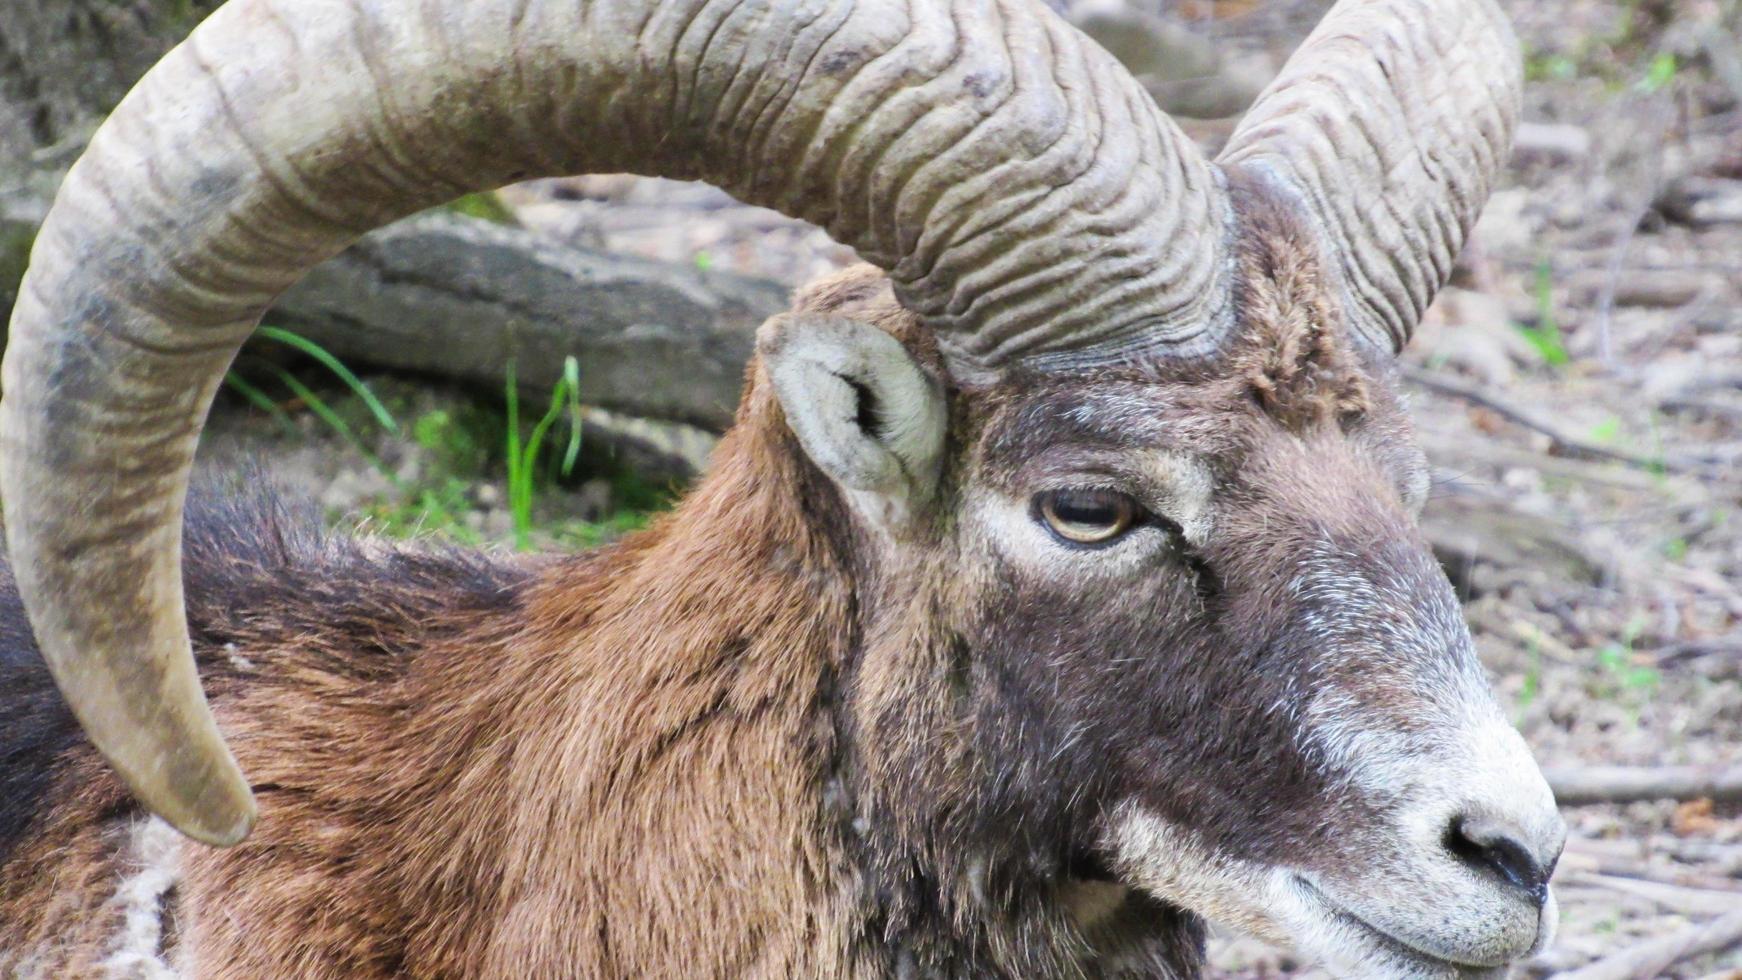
x=438 y=293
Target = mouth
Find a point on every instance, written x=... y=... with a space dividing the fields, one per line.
x=1383 y=954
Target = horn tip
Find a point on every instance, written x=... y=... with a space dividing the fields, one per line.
x=221 y=826
x=221 y=812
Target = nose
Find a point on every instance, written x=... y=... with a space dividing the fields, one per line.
x=1508 y=850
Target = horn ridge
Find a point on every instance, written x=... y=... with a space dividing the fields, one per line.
x=1390 y=126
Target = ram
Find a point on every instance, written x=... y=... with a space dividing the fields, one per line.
x=1058 y=587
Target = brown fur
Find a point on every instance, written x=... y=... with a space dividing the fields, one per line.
x=746 y=741
x=398 y=787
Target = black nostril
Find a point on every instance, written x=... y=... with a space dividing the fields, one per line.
x=1492 y=846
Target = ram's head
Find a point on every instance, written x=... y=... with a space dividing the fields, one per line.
x=1119 y=422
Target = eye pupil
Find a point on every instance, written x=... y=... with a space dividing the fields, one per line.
x=1087 y=516
x=1077 y=508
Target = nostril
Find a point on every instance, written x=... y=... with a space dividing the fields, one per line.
x=1494 y=847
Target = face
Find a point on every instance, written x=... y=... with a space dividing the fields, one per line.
x=1172 y=631
x=1213 y=631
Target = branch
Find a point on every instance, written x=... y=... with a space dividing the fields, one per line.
x=1583 y=785
x=1679 y=898
x=1562 y=441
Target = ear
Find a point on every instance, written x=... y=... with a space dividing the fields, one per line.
x=865 y=411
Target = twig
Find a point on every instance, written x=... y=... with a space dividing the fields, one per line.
x=1677 y=898
x=1652 y=957
x=1444 y=450
x=1562 y=442
x=1606 y=299
x=1659 y=121
x=1694 y=649
x=1582 y=785
x=1702 y=405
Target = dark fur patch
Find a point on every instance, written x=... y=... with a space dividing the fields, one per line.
x=36 y=727
x=247 y=554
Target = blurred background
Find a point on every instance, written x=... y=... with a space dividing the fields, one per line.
x=1578 y=389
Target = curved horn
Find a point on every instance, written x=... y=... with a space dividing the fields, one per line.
x=1391 y=123
x=1025 y=195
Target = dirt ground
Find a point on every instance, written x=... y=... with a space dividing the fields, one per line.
x=1578 y=390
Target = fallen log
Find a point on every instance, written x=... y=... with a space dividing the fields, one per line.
x=1584 y=785
x=452 y=296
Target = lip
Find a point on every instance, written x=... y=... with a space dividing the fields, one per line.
x=1427 y=964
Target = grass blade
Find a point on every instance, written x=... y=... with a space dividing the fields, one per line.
x=261 y=400
x=326 y=414
x=572 y=378
x=519 y=480
x=339 y=370
x=536 y=440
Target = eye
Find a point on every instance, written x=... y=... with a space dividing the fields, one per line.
x=1087 y=516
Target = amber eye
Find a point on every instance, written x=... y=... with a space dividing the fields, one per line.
x=1087 y=516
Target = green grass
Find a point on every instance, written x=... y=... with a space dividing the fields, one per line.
x=1626 y=59
x=1607 y=432
x=430 y=511
x=326 y=413
x=1549 y=67
x=522 y=456
x=1532 y=686
x=260 y=400
x=340 y=371
x=1624 y=674
x=457 y=452
x=315 y=403
x=1545 y=333
x=1659 y=75
x=582 y=535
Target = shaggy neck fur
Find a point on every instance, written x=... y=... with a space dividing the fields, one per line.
x=629 y=771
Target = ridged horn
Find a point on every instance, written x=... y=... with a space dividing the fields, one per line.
x=1026 y=196
x=1390 y=123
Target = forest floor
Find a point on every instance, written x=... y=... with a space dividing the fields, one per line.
x=1578 y=390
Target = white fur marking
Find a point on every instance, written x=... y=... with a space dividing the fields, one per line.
x=234 y=654
x=136 y=953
